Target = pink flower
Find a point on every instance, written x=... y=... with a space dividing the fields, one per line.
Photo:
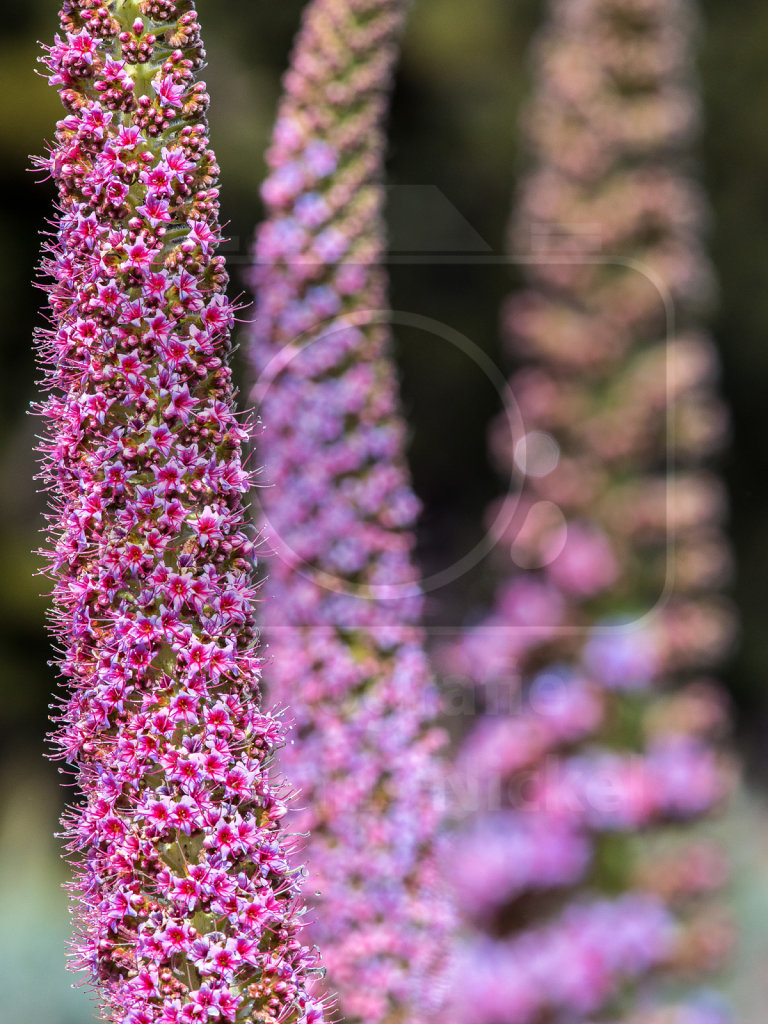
x=169 y=91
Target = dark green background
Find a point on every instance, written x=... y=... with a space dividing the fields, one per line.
x=454 y=143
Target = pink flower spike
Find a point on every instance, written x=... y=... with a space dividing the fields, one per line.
x=178 y=833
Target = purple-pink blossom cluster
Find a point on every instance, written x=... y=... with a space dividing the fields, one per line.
x=187 y=907
x=610 y=619
x=342 y=600
x=573 y=964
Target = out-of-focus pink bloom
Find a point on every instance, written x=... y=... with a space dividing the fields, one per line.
x=573 y=964
x=342 y=601
x=582 y=563
x=608 y=607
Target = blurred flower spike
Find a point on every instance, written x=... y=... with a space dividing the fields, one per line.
x=343 y=601
x=577 y=900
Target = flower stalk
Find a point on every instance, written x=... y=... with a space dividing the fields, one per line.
x=610 y=619
x=187 y=908
x=343 y=602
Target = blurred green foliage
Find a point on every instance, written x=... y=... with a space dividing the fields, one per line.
x=461 y=83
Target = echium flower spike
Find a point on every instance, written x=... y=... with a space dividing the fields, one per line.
x=610 y=616
x=188 y=909
x=343 y=605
